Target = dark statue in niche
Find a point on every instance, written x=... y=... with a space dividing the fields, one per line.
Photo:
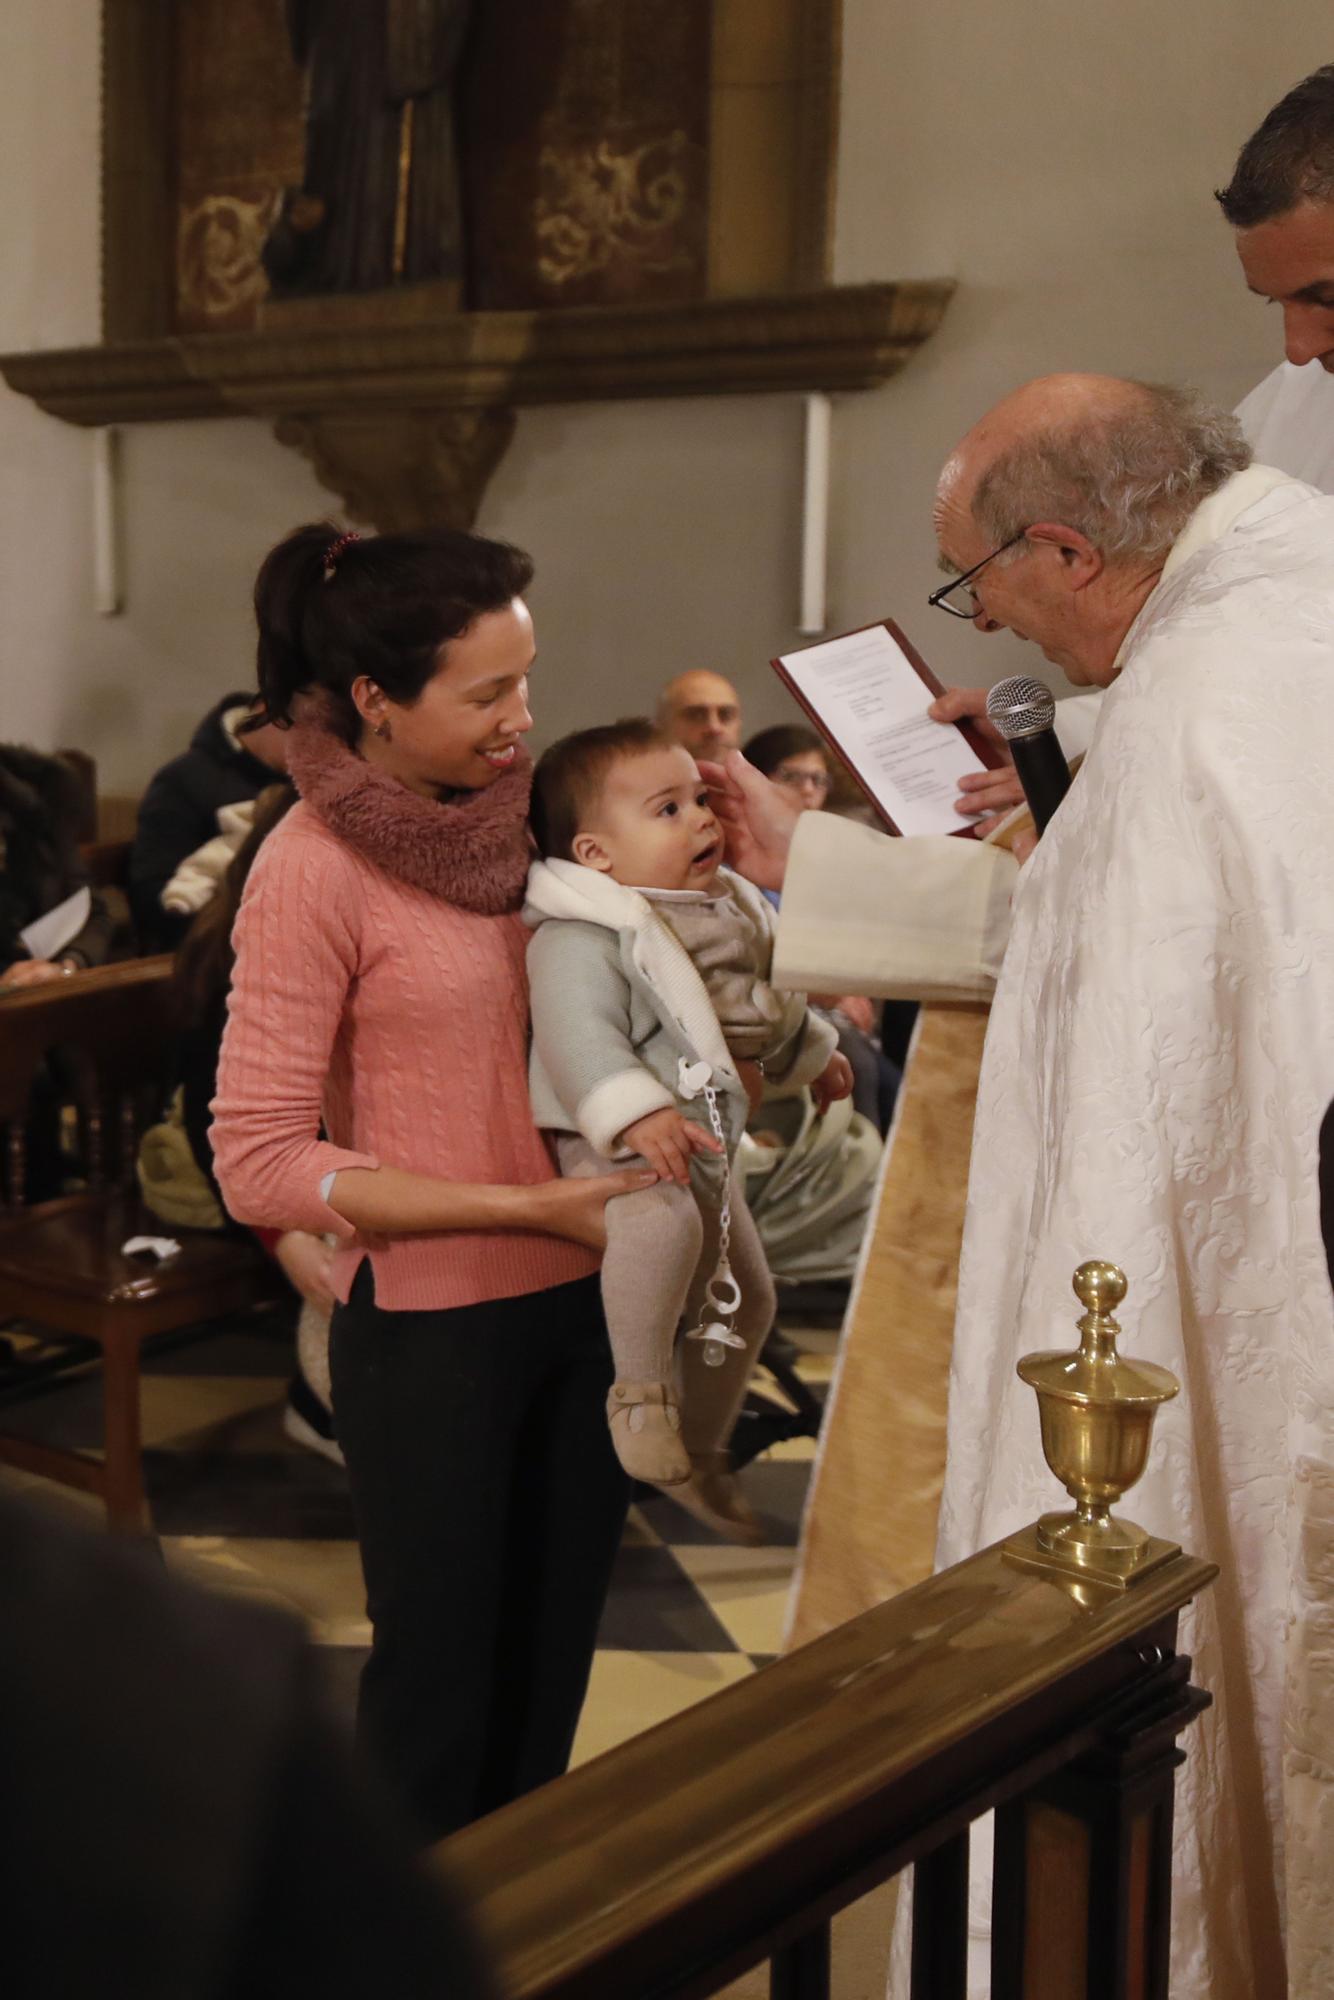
x=379 y=200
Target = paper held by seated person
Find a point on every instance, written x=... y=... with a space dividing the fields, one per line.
x=46 y=937
x=868 y=694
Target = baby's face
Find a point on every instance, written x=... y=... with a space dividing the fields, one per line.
x=653 y=826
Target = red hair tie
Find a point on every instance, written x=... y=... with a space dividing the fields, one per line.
x=335 y=549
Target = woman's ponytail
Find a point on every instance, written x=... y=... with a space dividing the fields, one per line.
x=290 y=574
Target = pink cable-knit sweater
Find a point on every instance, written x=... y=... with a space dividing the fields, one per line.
x=402 y=1022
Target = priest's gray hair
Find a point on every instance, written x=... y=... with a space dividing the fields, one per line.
x=1128 y=479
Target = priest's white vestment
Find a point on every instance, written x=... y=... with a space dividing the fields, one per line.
x=1159 y=1057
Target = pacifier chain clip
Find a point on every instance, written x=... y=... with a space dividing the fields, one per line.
x=722 y=1294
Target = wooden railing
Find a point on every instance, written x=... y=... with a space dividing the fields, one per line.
x=734 y=1833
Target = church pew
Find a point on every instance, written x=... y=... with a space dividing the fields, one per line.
x=62 y=1268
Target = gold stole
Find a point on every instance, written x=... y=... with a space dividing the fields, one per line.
x=870 y=1527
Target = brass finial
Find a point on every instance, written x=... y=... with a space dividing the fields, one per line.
x=1095 y=1282
x=1097 y=1409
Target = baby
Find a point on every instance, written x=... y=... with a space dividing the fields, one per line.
x=649 y=968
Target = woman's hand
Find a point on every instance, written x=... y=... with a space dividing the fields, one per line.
x=307 y=1263
x=577 y=1209
x=758 y=819
x=667 y=1139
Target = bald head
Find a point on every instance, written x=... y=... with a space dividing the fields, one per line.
x=1049 y=404
x=702 y=711
x=1124 y=462
x=1065 y=501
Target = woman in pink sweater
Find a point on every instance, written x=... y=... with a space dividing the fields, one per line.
x=379 y=992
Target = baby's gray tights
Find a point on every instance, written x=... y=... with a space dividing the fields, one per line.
x=662 y=1246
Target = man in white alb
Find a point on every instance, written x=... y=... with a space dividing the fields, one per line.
x=1159 y=1057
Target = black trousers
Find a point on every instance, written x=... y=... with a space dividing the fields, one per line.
x=489 y=1506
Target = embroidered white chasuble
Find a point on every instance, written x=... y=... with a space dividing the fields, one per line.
x=1159 y=1057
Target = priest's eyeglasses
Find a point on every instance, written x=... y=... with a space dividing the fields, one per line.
x=969 y=608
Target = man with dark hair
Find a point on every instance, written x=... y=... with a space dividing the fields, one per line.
x=1280 y=201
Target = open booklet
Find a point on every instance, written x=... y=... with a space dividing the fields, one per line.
x=868 y=693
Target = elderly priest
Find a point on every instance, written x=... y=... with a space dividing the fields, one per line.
x=1159 y=1058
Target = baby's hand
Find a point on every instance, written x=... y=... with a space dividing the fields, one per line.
x=667 y=1140
x=833 y=1082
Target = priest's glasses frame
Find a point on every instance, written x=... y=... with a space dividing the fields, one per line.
x=939 y=600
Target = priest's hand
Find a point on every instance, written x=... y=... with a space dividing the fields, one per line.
x=990 y=792
x=758 y=819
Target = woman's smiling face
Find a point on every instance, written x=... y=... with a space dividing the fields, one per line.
x=463 y=730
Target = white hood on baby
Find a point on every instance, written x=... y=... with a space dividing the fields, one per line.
x=563 y=889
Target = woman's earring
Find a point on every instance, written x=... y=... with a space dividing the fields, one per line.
x=382 y=730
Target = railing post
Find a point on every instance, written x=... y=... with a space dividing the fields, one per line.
x=800 y=1971
x=1082 y=1885
x=940 y=1922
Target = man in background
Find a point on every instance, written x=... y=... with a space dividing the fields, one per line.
x=702 y=711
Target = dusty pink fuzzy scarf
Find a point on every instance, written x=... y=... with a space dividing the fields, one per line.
x=471 y=850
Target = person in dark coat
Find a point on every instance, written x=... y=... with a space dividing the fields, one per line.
x=179 y=811
x=41 y=807
x=178 y=1818
x=40 y=866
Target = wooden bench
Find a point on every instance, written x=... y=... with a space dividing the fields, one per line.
x=61 y=1263
x=108 y=863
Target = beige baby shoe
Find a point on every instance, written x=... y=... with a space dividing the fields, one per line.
x=646 y=1431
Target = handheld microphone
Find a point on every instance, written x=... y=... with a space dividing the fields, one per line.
x=1023 y=711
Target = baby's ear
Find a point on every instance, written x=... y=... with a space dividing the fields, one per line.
x=589 y=852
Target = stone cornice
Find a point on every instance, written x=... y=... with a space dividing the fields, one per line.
x=837 y=338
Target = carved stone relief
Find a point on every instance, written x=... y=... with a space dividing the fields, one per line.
x=403 y=470
x=646 y=195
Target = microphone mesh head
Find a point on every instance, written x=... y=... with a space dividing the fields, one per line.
x=1020 y=707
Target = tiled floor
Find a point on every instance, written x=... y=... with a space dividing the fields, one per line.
x=239 y=1506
